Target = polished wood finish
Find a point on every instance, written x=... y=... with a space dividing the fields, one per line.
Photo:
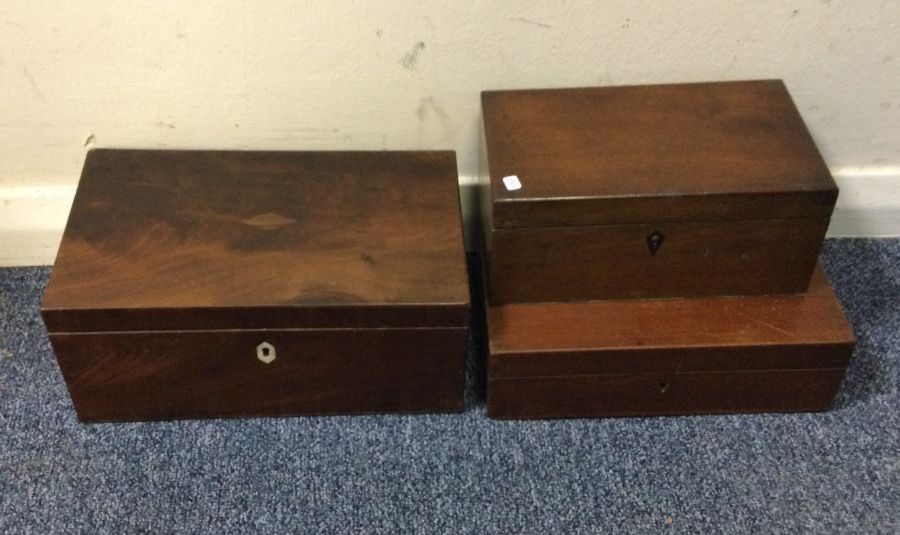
x=325 y=239
x=662 y=394
x=203 y=374
x=602 y=168
x=651 y=148
x=176 y=265
x=615 y=262
x=677 y=356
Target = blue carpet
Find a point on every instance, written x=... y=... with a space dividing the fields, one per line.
x=835 y=472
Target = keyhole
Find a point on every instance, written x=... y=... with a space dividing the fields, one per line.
x=265 y=352
x=663 y=387
x=654 y=241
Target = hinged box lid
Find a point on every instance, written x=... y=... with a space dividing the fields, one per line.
x=708 y=334
x=189 y=240
x=685 y=152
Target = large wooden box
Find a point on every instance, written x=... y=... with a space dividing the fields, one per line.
x=219 y=284
x=650 y=191
x=671 y=356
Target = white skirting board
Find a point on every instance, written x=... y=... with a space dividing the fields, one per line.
x=32 y=218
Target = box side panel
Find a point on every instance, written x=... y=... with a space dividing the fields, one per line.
x=485 y=197
x=622 y=261
x=208 y=374
x=663 y=394
x=672 y=360
x=346 y=316
x=663 y=208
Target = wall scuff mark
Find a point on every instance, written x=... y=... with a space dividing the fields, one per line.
x=411 y=58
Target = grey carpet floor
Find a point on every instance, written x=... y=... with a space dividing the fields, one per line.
x=835 y=472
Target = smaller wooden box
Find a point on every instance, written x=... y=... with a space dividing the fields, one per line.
x=209 y=284
x=662 y=357
x=650 y=191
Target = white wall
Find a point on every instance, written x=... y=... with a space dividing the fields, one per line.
x=394 y=74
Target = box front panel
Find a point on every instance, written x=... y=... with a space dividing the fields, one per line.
x=208 y=374
x=589 y=396
x=653 y=261
x=729 y=356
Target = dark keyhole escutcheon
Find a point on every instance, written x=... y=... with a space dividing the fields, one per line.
x=655 y=240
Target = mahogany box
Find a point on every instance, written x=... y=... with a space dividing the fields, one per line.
x=779 y=353
x=650 y=191
x=196 y=284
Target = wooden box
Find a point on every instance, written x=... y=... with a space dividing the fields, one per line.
x=216 y=284
x=675 y=356
x=650 y=191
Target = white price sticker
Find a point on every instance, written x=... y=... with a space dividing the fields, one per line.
x=512 y=183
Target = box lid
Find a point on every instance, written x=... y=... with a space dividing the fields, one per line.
x=798 y=331
x=186 y=240
x=684 y=152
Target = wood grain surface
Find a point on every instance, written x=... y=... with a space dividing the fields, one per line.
x=679 y=152
x=215 y=374
x=176 y=265
x=164 y=239
x=673 y=356
x=615 y=262
x=660 y=394
x=726 y=173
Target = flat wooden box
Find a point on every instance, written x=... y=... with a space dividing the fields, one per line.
x=194 y=284
x=664 y=357
x=650 y=191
